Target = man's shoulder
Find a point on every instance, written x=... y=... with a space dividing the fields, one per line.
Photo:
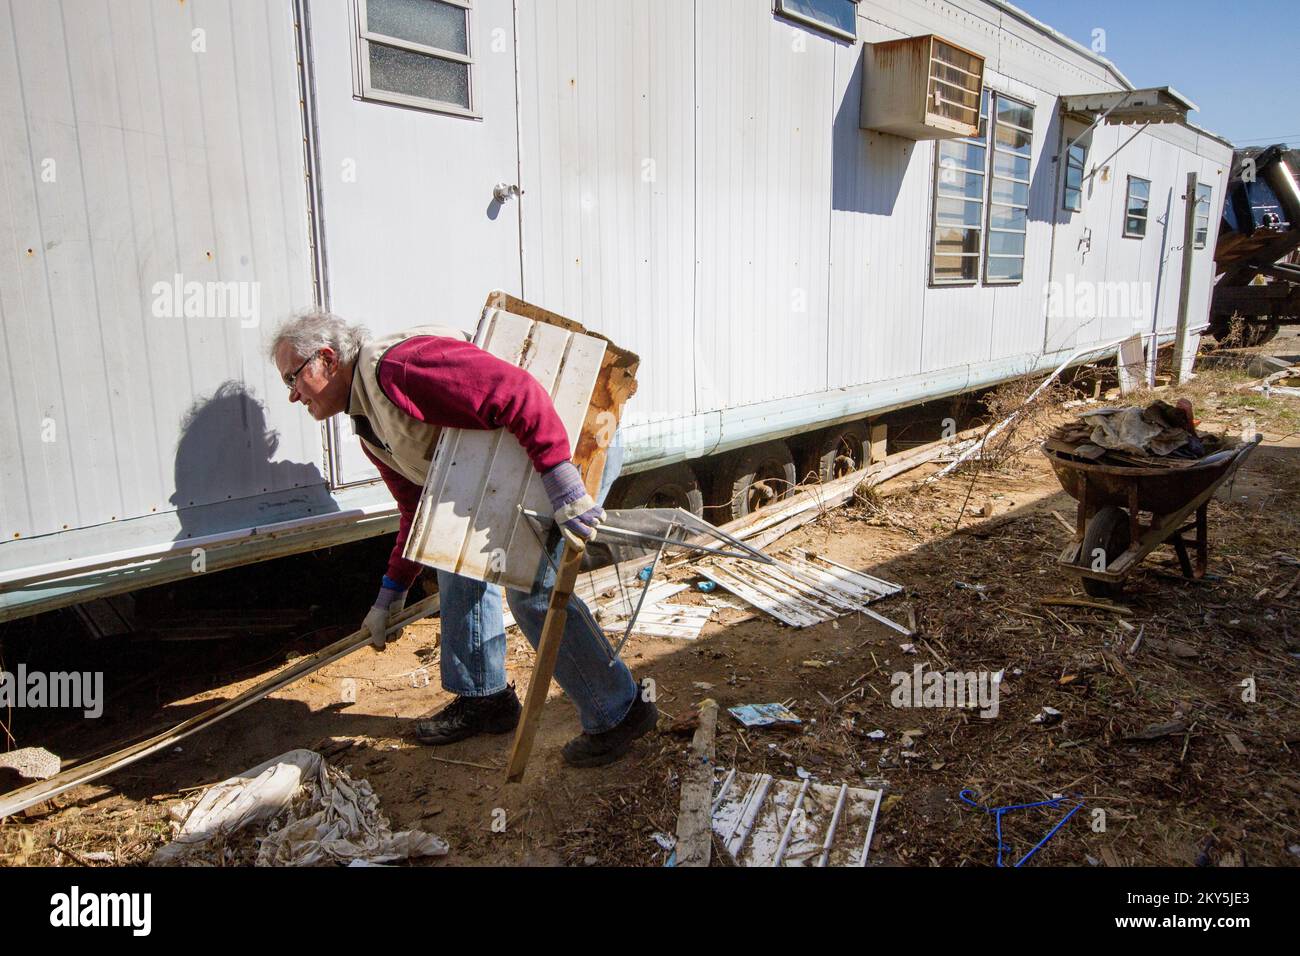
x=420 y=339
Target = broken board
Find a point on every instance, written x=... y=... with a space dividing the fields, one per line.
x=681 y=621
x=469 y=520
x=802 y=588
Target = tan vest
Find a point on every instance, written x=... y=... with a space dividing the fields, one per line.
x=395 y=438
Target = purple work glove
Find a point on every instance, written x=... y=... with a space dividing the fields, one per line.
x=575 y=512
x=389 y=601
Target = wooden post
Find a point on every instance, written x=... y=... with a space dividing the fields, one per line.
x=879 y=444
x=1185 y=287
x=695 y=818
x=548 y=651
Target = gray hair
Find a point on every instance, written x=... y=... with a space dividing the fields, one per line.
x=314 y=329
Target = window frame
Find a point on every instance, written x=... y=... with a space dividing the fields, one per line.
x=1128 y=197
x=1027 y=183
x=779 y=9
x=986 y=104
x=1065 y=179
x=1201 y=232
x=364 y=89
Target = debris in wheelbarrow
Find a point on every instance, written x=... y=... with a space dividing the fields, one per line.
x=1160 y=435
x=1116 y=488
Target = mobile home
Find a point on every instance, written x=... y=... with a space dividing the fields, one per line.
x=800 y=213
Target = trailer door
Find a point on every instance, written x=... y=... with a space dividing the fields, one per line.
x=415 y=130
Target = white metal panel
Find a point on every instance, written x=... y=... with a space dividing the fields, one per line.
x=131 y=154
x=764 y=125
x=879 y=235
x=608 y=165
x=412 y=232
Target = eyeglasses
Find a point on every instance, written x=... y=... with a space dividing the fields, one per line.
x=291 y=380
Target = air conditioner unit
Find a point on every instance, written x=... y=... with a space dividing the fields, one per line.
x=922 y=87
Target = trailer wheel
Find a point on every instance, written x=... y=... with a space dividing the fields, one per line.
x=1108 y=530
x=843 y=449
x=673 y=486
x=1243 y=333
x=1265 y=331
x=755 y=477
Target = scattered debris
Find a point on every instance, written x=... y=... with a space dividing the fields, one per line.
x=625 y=605
x=1096 y=604
x=802 y=588
x=694 y=844
x=31 y=763
x=94 y=769
x=684 y=622
x=764 y=715
x=1155 y=731
x=1046 y=716
x=312 y=813
x=763 y=821
x=998 y=813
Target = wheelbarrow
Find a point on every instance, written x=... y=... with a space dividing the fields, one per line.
x=1110 y=539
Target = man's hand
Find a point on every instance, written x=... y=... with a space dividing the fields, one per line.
x=575 y=512
x=389 y=601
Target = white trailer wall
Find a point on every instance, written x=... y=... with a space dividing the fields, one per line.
x=142 y=141
x=809 y=238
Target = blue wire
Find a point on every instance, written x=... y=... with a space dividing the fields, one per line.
x=998 y=813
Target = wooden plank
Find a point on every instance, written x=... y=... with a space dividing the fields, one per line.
x=794 y=613
x=548 y=651
x=667 y=620
x=624 y=605
x=867 y=583
x=25 y=797
x=469 y=520
x=695 y=814
x=439 y=529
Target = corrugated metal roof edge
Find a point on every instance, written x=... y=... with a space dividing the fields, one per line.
x=1059 y=37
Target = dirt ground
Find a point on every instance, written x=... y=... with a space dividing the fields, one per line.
x=1220 y=788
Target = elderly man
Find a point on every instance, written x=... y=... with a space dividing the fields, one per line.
x=400 y=391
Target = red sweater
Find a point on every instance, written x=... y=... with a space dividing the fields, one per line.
x=455 y=384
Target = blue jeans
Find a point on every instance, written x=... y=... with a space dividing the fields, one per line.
x=474 y=638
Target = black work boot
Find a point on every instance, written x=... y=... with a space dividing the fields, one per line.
x=596 y=750
x=467 y=716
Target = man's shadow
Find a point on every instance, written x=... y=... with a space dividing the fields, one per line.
x=225 y=477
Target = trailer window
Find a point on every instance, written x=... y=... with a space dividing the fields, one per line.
x=1013 y=138
x=415 y=53
x=834 y=16
x=1204 y=192
x=1136 y=207
x=961 y=166
x=1076 y=158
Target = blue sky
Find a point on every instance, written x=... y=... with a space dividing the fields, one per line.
x=1238 y=60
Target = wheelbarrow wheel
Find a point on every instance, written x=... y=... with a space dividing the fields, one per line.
x=1107 y=530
